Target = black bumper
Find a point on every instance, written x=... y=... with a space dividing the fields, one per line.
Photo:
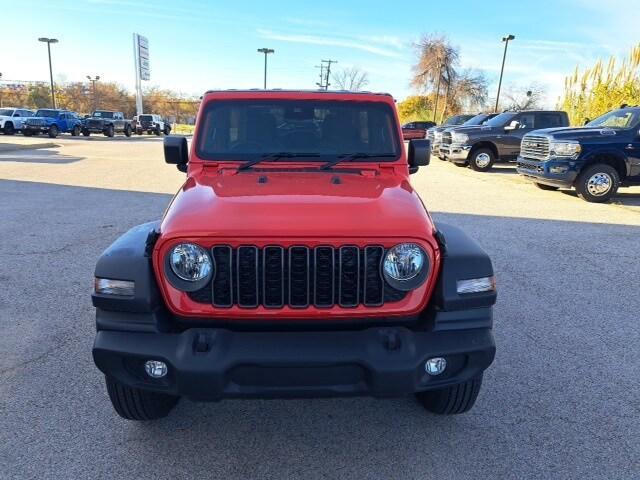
x=94 y=129
x=211 y=364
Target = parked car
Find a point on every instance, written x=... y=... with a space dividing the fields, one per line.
x=434 y=134
x=358 y=292
x=106 y=122
x=595 y=159
x=11 y=119
x=152 y=124
x=416 y=130
x=52 y=122
x=498 y=140
x=479 y=119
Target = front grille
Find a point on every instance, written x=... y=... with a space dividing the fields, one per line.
x=95 y=123
x=532 y=166
x=446 y=138
x=534 y=146
x=35 y=122
x=298 y=277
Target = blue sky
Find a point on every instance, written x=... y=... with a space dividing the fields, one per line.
x=196 y=44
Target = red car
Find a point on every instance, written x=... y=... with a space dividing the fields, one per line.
x=296 y=260
x=416 y=130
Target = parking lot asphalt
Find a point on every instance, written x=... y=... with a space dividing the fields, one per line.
x=560 y=401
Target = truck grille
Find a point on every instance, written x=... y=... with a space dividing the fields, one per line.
x=94 y=123
x=297 y=277
x=446 y=138
x=536 y=147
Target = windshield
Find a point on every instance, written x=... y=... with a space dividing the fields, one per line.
x=317 y=129
x=47 y=113
x=477 y=120
x=616 y=119
x=501 y=120
x=101 y=114
x=6 y=112
x=457 y=119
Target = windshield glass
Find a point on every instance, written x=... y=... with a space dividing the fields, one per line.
x=616 y=119
x=501 y=120
x=6 y=112
x=235 y=130
x=101 y=114
x=47 y=113
x=477 y=120
x=145 y=118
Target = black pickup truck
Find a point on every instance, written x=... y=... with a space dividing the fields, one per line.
x=595 y=159
x=106 y=122
x=497 y=140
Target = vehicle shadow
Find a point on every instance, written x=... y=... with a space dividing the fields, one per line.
x=630 y=199
x=503 y=169
x=38 y=156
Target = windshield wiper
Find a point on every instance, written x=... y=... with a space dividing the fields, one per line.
x=272 y=157
x=353 y=156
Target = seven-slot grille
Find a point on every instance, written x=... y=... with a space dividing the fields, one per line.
x=297 y=277
x=535 y=147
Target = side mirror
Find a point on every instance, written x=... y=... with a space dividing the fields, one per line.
x=514 y=125
x=586 y=120
x=176 y=151
x=419 y=154
x=87 y=116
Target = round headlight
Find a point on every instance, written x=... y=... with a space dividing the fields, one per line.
x=405 y=266
x=190 y=262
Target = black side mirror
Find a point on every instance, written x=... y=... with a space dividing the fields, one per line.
x=419 y=154
x=586 y=120
x=176 y=151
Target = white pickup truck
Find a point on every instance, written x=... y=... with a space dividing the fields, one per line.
x=11 y=119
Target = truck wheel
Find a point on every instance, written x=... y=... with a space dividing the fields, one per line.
x=27 y=133
x=86 y=133
x=136 y=404
x=542 y=186
x=451 y=400
x=9 y=129
x=167 y=129
x=482 y=160
x=598 y=183
x=76 y=131
x=127 y=130
x=109 y=132
x=53 y=131
x=157 y=131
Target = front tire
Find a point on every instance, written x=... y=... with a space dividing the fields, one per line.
x=9 y=128
x=482 y=160
x=109 y=131
x=598 y=183
x=127 y=131
x=451 y=400
x=27 y=133
x=86 y=133
x=53 y=131
x=136 y=404
x=157 y=131
x=542 y=186
x=76 y=131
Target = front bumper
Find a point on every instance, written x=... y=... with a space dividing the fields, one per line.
x=455 y=153
x=216 y=363
x=553 y=172
x=93 y=129
x=35 y=128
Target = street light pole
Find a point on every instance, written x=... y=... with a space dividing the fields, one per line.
x=49 y=41
x=95 y=91
x=504 y=57
x=266 y=52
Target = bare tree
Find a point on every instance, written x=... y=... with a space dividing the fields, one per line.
x=525 y=98
x=352 y=79
x=436 y=66
x=467 y=87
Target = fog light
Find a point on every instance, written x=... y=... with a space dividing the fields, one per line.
x=155 y=368
x=435 y=365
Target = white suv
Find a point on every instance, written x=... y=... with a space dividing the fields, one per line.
x=11 y=119
x=151 y=123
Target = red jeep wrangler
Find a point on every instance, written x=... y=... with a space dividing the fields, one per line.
x=295 y=261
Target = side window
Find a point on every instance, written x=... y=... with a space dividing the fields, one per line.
x=527 y=120
x=17 y=113
x=549 y=120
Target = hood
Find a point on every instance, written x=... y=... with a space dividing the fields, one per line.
x=5 y=117
x=578 y=133
x=292 y=203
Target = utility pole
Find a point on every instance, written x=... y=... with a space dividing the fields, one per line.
x=327 y=73
x=320 y=84
x=95 y=91
x=504 y=57
x=49 y=41
x=266 y=52
x=0 y=91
